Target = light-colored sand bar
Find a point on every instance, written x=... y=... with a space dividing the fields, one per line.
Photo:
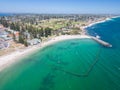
x=7 y=60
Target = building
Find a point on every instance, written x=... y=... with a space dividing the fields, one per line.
x=4 y=35
x=3 y=44
x=27 y=34
x=1 y=26
x=16 y=33
x=33 y=41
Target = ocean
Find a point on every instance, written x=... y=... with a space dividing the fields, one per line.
x=71 y=64
x=5 y=14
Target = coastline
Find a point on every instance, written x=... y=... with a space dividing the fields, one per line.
x=99 y=21
x=15 y=56
x=83 y=28
x=7 y=60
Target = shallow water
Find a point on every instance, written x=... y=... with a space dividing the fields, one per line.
x=70 y=65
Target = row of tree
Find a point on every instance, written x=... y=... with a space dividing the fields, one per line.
x=32 y=31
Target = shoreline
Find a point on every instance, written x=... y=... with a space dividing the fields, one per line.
x=93 y=23
x=96 y=22
x=8 y=60
x=99 y=21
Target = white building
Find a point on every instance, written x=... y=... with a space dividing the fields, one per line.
x=34 y=41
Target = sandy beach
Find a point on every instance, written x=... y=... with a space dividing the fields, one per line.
x=93 y=23
x=97 y=22
x=7 y=60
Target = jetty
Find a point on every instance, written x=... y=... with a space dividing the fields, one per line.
x=106 y=44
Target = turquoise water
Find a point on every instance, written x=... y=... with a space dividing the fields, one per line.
x=70 y=65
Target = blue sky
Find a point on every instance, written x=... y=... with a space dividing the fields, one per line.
x=60 y=6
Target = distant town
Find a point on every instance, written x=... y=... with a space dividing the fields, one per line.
x=22 y=30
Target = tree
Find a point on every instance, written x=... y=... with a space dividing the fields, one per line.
x=21 y=39
x=74 y=32
x=41 y=32
x=25 y=43
x=12 y=26
x=14 y=37
x=17 y=27
x=5 y=24
x=47 y=31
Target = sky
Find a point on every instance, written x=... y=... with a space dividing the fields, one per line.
x=61 y=6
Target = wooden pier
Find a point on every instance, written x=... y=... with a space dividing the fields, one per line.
x=106 y=44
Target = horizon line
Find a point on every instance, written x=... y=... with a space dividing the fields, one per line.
x=58 y=13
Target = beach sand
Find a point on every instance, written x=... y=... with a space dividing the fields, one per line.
x=97 y=22
x=9 y=59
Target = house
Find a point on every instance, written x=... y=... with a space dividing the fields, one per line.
x=16 y=33
x=3 y=44
x=1 y=26
x=4 y=35
x=27 y=34
x=33 y=41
